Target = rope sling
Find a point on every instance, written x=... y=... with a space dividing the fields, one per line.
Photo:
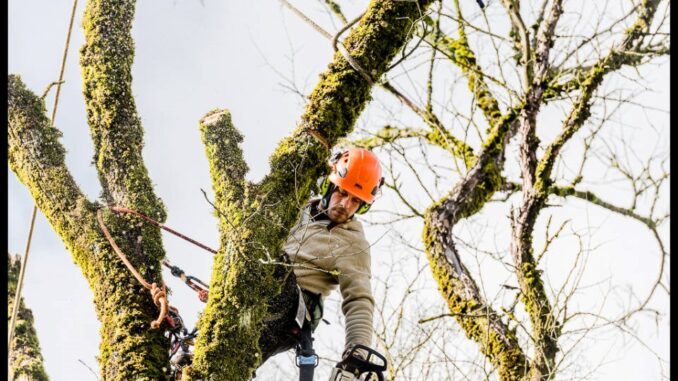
x=158 y=294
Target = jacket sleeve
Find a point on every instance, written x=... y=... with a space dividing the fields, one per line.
x=356 y=291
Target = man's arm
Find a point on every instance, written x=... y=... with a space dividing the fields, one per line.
x=356 y=291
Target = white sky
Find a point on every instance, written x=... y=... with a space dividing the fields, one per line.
x=192 y=57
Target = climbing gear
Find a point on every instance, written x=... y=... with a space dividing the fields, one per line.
x=359 y=360
x=180 y=342
x=307 y=359
x=159 y=295
x=121 y=209
x=194 y=283
x=24 y=261
x=314 y=308
x=358 y=172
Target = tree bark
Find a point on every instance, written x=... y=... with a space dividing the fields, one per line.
x=25 y=362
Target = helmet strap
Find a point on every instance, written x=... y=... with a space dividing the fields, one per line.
x=325 y=201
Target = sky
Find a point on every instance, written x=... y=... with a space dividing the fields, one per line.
x=192 y=57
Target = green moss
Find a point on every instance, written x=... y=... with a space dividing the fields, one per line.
x=477 y=320
x=461 y=54
x=26 y=360
x=129 y=349
x=106 y=64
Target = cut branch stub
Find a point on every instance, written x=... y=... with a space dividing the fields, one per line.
x=227 y=165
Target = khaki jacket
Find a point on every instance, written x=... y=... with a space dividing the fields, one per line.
x=325 y=259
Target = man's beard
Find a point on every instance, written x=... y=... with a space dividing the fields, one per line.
x=340 y=213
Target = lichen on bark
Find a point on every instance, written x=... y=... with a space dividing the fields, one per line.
x=25 y=360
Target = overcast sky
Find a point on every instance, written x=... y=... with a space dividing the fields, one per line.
x=191 y=57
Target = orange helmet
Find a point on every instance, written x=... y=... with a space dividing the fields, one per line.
x=357 y=171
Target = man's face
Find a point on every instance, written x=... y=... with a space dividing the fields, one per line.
x=342 y=206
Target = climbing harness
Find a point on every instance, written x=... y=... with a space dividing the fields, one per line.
x=180 y=342
x=24 y=260
x=306 y=359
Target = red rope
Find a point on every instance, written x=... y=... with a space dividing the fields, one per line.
x=122 y=209
x=159 y=295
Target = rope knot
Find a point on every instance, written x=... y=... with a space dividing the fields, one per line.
x=159 y=296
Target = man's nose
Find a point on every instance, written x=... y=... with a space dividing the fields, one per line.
x=345 y=202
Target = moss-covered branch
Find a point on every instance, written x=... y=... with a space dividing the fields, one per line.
x=594 y=199
x=475 y=316
x=37 y=158
x=106 y=63
x=25 y=359
x=241 y=285
x=437 y=137
x=336 y=9
x=441 y=135
x=521 y=40
x=570 y=191
x=227 y=165
x=580 y=112
x=496 y=340
x=461 y=54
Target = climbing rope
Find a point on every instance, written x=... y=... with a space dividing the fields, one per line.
x=17 y=296
x=159 y=295
x=24 y=261
x=121 y=209
x=194 y=283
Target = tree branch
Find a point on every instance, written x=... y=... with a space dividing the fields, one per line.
x=227 y=165
x=26 y=359
x=38 y=159
x=106 y=61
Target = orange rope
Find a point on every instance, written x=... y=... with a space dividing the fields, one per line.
x=159 y=295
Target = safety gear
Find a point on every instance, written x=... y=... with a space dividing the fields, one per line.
x=314 y=308
x=339 y=374
x=307 y=359
x=358 y=172
x=358 y=361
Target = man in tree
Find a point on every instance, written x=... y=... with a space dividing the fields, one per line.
x=327 y=248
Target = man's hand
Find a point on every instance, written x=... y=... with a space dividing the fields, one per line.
x=358 y=360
